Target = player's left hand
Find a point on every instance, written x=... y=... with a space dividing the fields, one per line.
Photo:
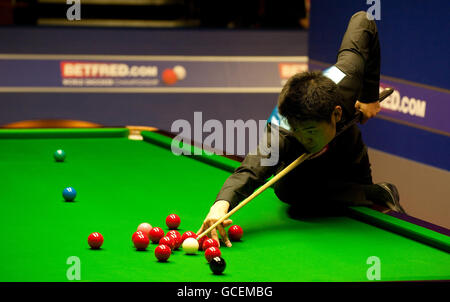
x=368 y=110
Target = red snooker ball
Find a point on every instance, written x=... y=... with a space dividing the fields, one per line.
x=95 y=240
x=209 y=243
x=200 y=242
x=174 y=232
x=136 y=233
x=235 y=233
x=173 y=221
x=176 y=237
x=162 y=252
x=167 y=240
x=212 y=252
x=186 y=235
x=141 y=242
x=156 y=234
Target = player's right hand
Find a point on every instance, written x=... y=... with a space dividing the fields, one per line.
x=217 y=211
x=368 y=110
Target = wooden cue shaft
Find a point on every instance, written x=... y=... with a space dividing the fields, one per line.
x=261 y=189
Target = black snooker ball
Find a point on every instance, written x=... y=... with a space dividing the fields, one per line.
x=217 y=265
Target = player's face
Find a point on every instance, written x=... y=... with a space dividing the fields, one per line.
x=316 y=135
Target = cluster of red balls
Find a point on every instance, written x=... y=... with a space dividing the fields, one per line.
x=170 y=241
x=166 y=242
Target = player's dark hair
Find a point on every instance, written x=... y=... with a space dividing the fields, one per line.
x=309 y=96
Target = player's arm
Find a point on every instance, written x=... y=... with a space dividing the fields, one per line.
x=242 y=183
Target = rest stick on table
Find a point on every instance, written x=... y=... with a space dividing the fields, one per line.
x=261 y=189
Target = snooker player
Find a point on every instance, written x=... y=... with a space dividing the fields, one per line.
x=316 y=105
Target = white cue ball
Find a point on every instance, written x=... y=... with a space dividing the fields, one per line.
x=180 y=71
x=190 y=246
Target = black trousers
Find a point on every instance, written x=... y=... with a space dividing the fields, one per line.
x=359 y=58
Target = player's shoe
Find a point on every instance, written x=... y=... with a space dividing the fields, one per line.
x=392 y=199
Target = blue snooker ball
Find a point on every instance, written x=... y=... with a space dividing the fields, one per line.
x=59 y=155
x=69 y=194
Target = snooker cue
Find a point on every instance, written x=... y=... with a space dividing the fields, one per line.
x=357 y=117
x=261 y=189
